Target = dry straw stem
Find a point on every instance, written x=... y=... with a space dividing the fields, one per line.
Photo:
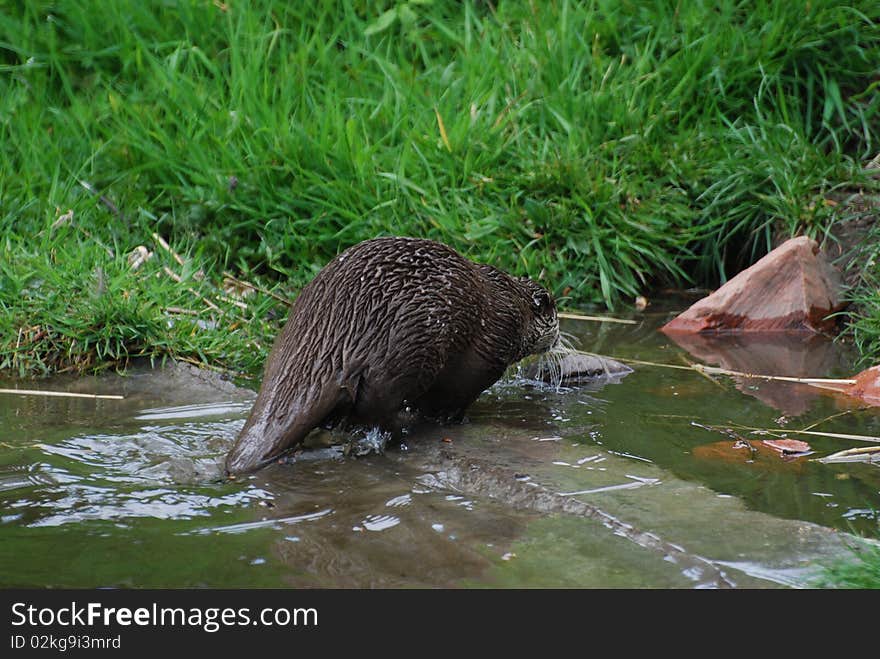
x=506 y=110
x=826 y=383
x=254 y=287
x=167 y=248
x=834 y=435
x=598 y=319
x=168 y=271
x=862 y=454
x=442 y=128
x=783 y=432
x=835 y=384
x=181 y=311
x=63 y=394
x=714 y=381
x=102 y=198
x=204 y=299
x=237 y=303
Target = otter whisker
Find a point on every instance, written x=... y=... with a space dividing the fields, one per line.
x=567 y=341
x=549 y=367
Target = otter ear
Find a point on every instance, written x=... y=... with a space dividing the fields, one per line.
x=542 y=301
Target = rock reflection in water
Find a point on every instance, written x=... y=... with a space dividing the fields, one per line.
x=786 y=354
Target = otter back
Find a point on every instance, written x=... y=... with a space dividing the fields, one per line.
x=389 y=324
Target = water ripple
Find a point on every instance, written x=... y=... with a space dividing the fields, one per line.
x=276 y=523
x=380 y=522
x=227 y=409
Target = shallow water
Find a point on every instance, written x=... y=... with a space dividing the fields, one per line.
x=633 y=484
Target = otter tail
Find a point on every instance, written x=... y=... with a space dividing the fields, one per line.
x=275 y=427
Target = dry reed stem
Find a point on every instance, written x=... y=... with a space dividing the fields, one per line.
x=64 y=394
x=598 y=319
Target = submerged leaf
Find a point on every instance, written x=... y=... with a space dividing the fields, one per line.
x=788 y=445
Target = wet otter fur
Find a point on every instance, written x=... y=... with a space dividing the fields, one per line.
x=391 y=324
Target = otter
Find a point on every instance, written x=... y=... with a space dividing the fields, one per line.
x=391 y=325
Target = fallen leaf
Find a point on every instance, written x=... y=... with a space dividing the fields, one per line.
x=788 y=445
x=755 y=454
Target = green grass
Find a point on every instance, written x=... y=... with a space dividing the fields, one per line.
x=864 y=327
x=604 y=147
x=69 y=306
x=861 y=570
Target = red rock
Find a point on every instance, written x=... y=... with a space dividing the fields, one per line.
x=792 y=289
x=867 y=386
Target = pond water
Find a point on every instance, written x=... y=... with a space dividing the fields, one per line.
x=636 y=483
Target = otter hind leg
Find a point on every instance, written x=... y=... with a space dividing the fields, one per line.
x=456 y=387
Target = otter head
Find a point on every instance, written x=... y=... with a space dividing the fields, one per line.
x=542 y=328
